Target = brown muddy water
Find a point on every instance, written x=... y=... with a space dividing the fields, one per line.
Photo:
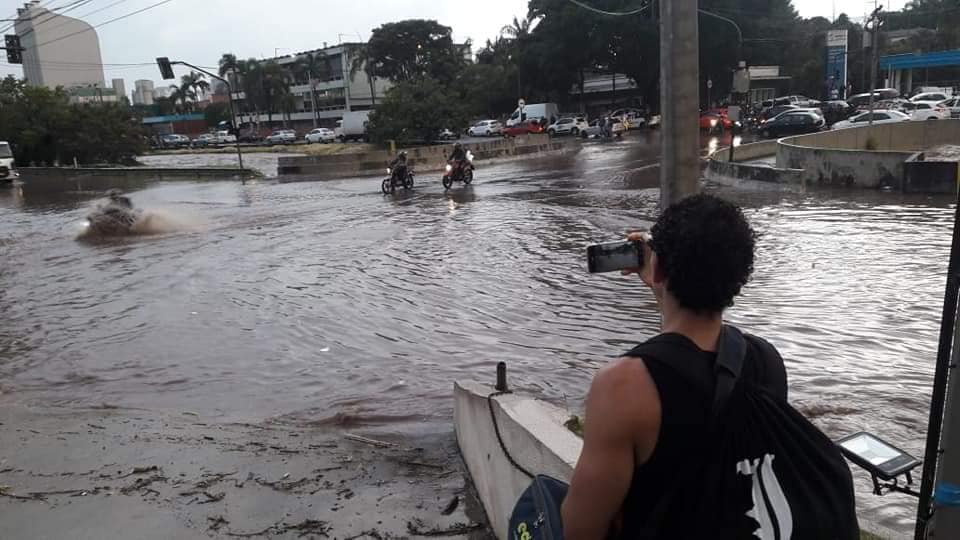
x=319 y=302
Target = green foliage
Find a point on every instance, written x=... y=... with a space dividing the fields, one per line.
x=416 y=111
x=413 y=49
x=44 y=128
x=216 y=113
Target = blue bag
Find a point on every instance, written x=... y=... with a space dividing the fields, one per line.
x=537 y=514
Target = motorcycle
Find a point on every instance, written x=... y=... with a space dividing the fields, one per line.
x=391 y=182
x=115 y=217
x=459 y=171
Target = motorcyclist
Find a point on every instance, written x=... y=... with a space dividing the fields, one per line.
x=117 y=197
x=399 y=166
x=459 y=156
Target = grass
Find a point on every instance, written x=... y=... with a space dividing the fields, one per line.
x=867 y=536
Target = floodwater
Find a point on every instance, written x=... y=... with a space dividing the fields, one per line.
x=330 y=302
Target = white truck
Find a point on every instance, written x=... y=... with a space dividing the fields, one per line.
x=353 y=126
x=7 y=170
x=535 y=111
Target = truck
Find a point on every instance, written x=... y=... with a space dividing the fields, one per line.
x=353 y=126
x=7 y=170
x=535 y=111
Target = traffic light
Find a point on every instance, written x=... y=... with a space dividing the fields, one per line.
x=14 y=51
x=165 y=69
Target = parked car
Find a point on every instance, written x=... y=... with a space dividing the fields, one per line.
x=568 y=126
x=799 y=101
x=795 y=123
x=925 y=110
x=879 y=117
x=225 y=137
x=528 y=127
x=207 y=139
x=447 y=135
x=862 y=100
x=282 y=136
x=486 y=128
x=712 y=121
x=934 y=97
x=320 y=135
x=953 y=104
x=172 y=140
x=776 y=110
x=631 y=118
x=593 y=130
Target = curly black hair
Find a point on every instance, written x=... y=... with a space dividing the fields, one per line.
x=705 y=248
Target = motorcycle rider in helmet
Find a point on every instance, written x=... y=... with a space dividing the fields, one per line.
x=459 y=156
x=399 y=167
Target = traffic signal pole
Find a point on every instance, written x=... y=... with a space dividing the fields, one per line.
x=679 y=100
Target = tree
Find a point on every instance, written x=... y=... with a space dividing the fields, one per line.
x=312 y=67
x=416 y=111
x=414 y=49
x=217 y=113
x=184 y=95
x=363 y=62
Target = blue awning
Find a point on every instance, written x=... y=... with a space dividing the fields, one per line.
x=173 y=118
x=921 y=60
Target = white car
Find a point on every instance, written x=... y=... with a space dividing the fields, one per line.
x=931 y=97
x=225 y=137
x=282 y=136
x=879 y=117
x=568 y=126
x=486 y=128
x=925 y=110
x=320 y=135
x=953 y=105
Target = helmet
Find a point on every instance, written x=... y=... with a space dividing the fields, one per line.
x=458 y=146
x=403 y=154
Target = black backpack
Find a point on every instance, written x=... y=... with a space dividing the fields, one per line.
x=767 y=472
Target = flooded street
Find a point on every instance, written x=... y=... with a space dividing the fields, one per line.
x=313 y=303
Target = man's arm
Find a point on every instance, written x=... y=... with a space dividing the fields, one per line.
x=621 y=426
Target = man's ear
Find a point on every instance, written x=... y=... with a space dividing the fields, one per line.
x=659 y=276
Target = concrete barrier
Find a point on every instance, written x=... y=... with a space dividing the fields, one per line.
x=423 y=159
x=720 y=170
x=26 y=173
x=533 y=433
x=868 y=157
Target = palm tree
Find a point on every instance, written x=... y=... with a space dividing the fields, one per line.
x=184 y=95
x=273 y=82
x=195 y=82
x=362 y=61
x=232 y=68
x=316 y=67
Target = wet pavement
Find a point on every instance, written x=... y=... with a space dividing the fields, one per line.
x=327 y=303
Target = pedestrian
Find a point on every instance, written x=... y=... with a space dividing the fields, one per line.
x=678 y=442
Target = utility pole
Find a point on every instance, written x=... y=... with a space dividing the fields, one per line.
x=875 y=18
x=679 y=100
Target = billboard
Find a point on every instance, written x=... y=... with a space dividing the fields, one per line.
x=836 y=72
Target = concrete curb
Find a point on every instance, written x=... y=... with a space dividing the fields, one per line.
x=138 y=172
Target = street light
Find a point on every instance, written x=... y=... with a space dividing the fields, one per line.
x=167 y=72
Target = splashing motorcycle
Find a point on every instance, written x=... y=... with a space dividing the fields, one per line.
x=114 y=217
x=459 y=170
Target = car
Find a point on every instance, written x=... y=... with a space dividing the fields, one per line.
x=593 y=130
x=172 y=140
x=207 y=139
x=320 y=135
x=799 y=101
x=282 y=136
x=795 y=123
x=934 y=97
x=631 y=118
x=447 y=135
x=568 y=126
x=526 y=128
x=925 y=110
x=775 y=111
x=485 y=128
x=880 y=94
x=879 y=117
x=712 y=121
x=954 y=105
x=225 y=137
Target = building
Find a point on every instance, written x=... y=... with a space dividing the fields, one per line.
x=143 y=92
x=605 y=92
x=766 y=83
x=119 y=88
x=58 y=50
x=341 y=91
x=93 y=94
x=161 y=92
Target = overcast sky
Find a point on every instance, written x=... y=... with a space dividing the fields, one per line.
x=199 y=31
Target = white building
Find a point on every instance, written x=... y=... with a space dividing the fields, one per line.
x=119 y=88
x=58 y=50
x=143 y=92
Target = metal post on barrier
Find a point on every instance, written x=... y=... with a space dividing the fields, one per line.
x=501 y=377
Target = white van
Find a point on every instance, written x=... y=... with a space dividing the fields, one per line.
x=536 y=111
x=7 y=170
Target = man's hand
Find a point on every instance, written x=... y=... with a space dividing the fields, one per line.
x=646 y=272
x=621 y=427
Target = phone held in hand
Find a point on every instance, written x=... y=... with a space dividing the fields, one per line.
x=614 y=257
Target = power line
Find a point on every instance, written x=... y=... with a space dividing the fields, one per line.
x=106 y=7
x=120 y=18
x=611 y=13
x=17 y=18
x=54 y=13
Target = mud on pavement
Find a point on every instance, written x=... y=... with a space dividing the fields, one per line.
x=114 y=473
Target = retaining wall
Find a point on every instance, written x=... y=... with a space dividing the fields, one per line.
x=720 y=170
x=424 y=158
x=26 y=173
x=868 y=157
x=532 y=431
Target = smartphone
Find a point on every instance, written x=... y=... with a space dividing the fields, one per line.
x=614 y=257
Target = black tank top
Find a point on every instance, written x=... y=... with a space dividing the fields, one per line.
x=686 y=388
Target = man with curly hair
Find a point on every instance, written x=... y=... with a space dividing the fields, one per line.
x=645 y=424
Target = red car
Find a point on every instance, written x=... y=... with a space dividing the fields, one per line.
x=530 y=126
